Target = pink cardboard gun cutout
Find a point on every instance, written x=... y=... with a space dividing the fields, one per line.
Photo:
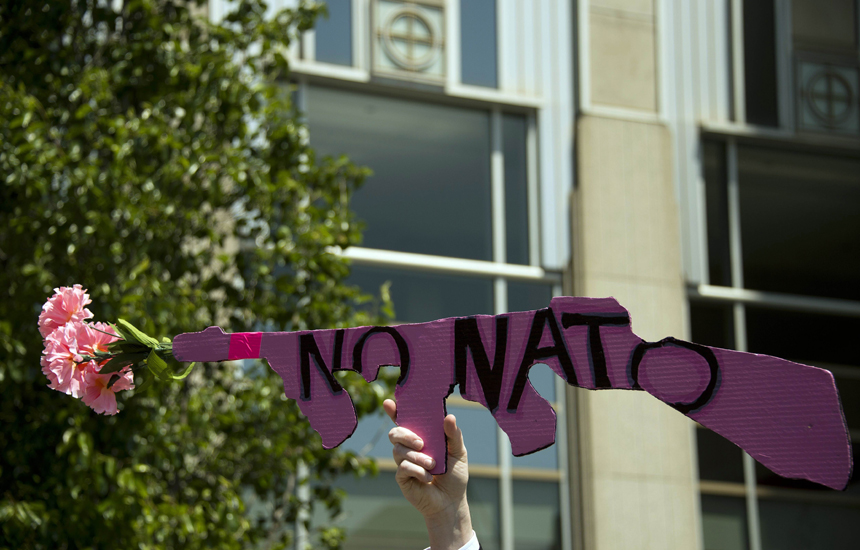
x=786 y=415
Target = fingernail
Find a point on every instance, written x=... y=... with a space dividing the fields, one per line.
x=418 y=443
x=429 y=463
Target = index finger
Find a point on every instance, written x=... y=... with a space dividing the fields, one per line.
x=391 y=409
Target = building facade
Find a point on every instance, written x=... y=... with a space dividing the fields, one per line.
x=699 y=161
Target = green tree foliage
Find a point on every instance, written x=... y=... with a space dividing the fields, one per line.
x=157 y=159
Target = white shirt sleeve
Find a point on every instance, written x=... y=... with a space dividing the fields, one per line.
x=471 y=545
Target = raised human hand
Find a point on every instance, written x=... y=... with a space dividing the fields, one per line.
x=441 y=499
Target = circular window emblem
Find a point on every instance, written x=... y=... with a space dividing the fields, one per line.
x=829 y=97
x=410 y=40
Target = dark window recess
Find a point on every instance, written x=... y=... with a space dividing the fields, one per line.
x=712 y=325
x=800 y=228
x=333 y=36
x=516 y=189
x=849 y=393
x=760 y=63
x=803 y=337
x=420 y=297
x=478 y=42
x=716 y=196
x=719 y=458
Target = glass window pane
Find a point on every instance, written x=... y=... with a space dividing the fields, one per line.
x=333 y=36
x=537 y=519
x=516 y=189
x=760 y=63
x=420 y=297
x=370 y=437
x=849 y=392
x=483 y=496
x=807 y=526
x=827 y=25
x=479 y=433
x=719 y=458
x=716 y=196
x=376 y=516
x=430 y=188
x=712 y=325
x=767 y=477
x=799 y=223
x=724 y=523
x=528 y=296
x=545 y=459
x=803 y=337
x=478 y=42
x=543 y=379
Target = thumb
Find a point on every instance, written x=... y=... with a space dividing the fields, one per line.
x=456 y=447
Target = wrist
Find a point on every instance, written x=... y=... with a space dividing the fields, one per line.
x=451 y=528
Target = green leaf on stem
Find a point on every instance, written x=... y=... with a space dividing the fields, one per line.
x=136 y=335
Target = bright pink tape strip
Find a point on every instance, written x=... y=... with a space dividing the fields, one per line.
x=244 y=345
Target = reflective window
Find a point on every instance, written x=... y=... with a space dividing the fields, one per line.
x=375 y=516
x=478 y=42
x=824 y=25
x=760 y=63
x=333 y=36
x=528 y=296
x=430 y=188
x=516 y=189
x=803 y=337
x=719 y=458
x=420 y=297
x=537 y=519
x=808 y=526
x=483 y=496
x=714 y=165
x=712 y=325
x=799 y=223
x=799 y=235
x=724 y=523
x=370 y=437
x=479 y=433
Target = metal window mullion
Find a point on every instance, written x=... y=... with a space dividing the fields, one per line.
x=506 y=489
x=784 y=73
x=497 y=186
x=566 y=492
x=359 y=26
x=452 y=44
x=506 y=497
x=740 y=333
x=739 y=95
x=533 y=189
x=500 y=294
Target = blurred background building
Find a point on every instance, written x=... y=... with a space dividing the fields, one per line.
x=699 y=161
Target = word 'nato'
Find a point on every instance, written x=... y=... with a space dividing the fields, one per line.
x=786 y=415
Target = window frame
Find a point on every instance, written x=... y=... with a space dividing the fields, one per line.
x=739 y=297
x=500 y=273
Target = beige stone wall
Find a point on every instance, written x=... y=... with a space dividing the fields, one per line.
x=623 y=53
x=636 y=454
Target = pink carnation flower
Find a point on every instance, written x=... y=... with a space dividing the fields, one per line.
x=66 y=305
x=90 y=341
x=59 y=360
x=97 y=395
